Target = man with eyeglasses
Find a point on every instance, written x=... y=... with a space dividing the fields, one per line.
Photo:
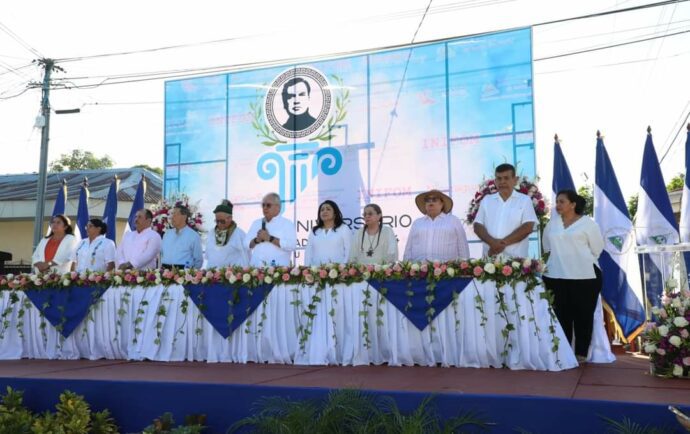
x=274 y=237
x=181 y=247
x=438 y=235
x=506 y=218
x=227 y=247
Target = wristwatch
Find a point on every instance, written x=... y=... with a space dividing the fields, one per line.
x=257 y=240
x=270 y=240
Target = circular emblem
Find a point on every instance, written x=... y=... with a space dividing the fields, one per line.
x=298 y=102
x=618 y=240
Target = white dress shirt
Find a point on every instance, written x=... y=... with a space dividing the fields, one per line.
x=266 y=253
x=442 y=238
x=501 y=217
x=574 y=250
x=63 y=255
x=384 y=249
x=234 y=252
x=331 y=246
x=140 y=249
x=94 y=255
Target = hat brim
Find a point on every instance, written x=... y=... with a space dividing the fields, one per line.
x=421 y=205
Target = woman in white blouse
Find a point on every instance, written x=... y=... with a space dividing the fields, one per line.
x=374 y=243
x=572 y=272
x=329 y=240
x=54 y=252
x=96 y=252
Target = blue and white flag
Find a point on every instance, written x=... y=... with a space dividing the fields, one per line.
x=622 y=286
x=562 y=180
x=110 y=210
x=685 y=203
x=137 y=204
x=654 y=223
x=60 y=200
x=82 y=211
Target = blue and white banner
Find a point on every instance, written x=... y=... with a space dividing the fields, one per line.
x=110 y=210
x=82 y=212
x=685 y=202
x=622 y=285
x=60 y=200
x=562 y=180
x=654 y=223
x=137 y=204
x=376 y=127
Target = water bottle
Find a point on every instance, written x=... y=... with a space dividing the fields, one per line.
x=186 y=265
x=273 y=262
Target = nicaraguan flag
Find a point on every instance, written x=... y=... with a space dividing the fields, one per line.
x=562 y=180
x=83 y=211
x=137 y=204
x=60 y=200
x=622 y=286
x=654 y=223
x=685 y=203
x=110 y=210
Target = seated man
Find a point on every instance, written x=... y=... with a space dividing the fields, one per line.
x=438 y=235
x=181 y=244
x=505 y=219
x=140 y=248
x=273 y=236
x=226 y=247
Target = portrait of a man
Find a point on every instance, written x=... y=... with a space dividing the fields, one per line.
x=296 y=100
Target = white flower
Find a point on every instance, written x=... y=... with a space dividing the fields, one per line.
x=333 y=273
x=366 y=275
x=117 y=280
x=675 y=341
x=663 y=330
x=671 y=283
x=314 y=269
x=232 y=278
x=515 y=264
x=649 y=348
x=490 y=268
x=66 y=282
x=450 y=271
x=679 y=321
x=527 y=263
x=677 y=370
x=180 y=280
x=414 y=267
x=268 y=280
x=377 y=268
x=140 y=279
x=655 y=311
x=204 y=279
x=246 y=277
x=677 y=303
x=158 y=280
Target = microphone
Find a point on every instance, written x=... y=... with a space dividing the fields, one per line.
x=263 y=224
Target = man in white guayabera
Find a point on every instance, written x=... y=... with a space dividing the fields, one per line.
x=271 y=239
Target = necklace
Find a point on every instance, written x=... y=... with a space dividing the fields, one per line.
x=370 y=239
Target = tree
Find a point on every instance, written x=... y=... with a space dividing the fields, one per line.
x=156 y=170
x=632 y=205
x=586 y=192
x=676 y=183
x=80 y=160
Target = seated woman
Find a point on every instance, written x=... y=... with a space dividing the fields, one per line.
x=53 y=253
x=572 y=271
x=95 y=253
x=374 y=243
x=329 y=241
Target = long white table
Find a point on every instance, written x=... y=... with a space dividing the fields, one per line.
x=159 y=323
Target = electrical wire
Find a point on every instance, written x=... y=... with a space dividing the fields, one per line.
x=19 y=40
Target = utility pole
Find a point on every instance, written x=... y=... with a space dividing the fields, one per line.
x=48 y=65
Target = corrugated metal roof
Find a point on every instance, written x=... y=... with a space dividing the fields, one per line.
x=24 y=186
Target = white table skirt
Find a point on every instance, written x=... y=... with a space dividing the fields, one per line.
x=129 y=323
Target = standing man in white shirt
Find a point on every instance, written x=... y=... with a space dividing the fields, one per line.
x=273 y=237
x=139 y=249
x=226 y=247
x=505 y=219
x=438 y=235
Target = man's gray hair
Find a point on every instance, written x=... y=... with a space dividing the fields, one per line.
x=275 y=197
x=183 y=210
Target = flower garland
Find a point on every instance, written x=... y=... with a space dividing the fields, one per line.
x=503 y=272
x=162 y=214
x=667 y=339
x=525 y=186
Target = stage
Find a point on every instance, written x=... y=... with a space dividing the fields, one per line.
x=138 y=391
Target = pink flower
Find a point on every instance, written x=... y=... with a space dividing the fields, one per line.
x=352 y=271
x=286 y=277
x=507 y=270
x=424 y=268
x=685 y=333
x=370 y=268
x=99 y=278
x=129 y=277
x=438 y=271
x=388 y=272
x=167 y=274
x=397 y=268
x=686 y=361
x=464 y=265
x=477 y=271
x=323 y=273
x=92 y=277
x=209 y=274
x=198 y=275
x=308 y=278
x=73 y=275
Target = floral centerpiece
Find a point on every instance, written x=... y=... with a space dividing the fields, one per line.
x=667 y=338
x=525 y=186
x=162 y=214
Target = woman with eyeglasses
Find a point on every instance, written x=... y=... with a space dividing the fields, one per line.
x=96 y=252
x=374 y=243
x=329 y=241
x=53 y=253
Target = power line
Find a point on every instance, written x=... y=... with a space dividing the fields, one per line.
x=19 y=40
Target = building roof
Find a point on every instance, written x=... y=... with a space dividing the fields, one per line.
x=24 y=186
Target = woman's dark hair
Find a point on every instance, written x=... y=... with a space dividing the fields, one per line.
x=337 y=214
x=100 y=224
x=575 y=198
x=376 y=208
x=67 y=222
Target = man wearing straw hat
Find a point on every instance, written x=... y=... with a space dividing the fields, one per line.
x=438 y=235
